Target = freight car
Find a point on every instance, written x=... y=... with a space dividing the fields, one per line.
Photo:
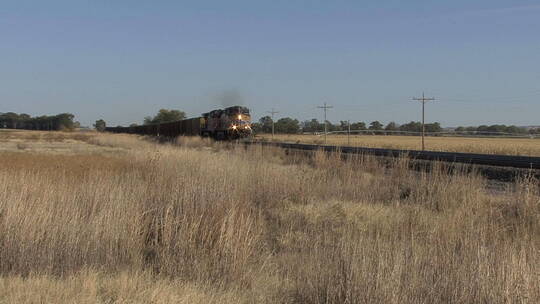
x=230 y=123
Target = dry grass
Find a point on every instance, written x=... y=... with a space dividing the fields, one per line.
x=199 y=222
x=88 y=287
x=61 y=143
x=506 y=146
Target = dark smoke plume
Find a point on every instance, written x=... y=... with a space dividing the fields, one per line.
x=231 y=97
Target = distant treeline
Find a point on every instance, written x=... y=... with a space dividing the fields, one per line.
x=63 y=121
x=497 y=129
x=292 y=126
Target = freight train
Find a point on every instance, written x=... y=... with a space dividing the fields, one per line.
x=229 y=123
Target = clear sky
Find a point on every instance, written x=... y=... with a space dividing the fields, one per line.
x=122 y=60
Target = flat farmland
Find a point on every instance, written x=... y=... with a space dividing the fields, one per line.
x=103 y=218
x=506 y=146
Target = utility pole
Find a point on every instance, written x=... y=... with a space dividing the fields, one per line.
x=325 y=107
x=272 y=113
x=423 y=100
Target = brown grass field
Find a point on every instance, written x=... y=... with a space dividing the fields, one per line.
x=101 y=218
x=506 y=146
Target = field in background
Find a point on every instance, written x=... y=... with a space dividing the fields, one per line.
x=87 y=218
x=507 y=146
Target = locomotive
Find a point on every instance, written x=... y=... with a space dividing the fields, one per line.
x=222 y=124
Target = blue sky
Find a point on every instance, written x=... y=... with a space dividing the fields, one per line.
x=123 y=60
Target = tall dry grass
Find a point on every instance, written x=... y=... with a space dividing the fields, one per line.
x=505 y=146
x=194 y=221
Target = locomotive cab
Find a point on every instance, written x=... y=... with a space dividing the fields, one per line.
x=239 y=121
x=230 y=123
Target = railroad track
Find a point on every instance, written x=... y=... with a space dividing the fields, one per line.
x=522 y=162
x=500 y=167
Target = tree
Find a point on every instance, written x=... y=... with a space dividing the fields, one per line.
x=287 y=125
x=483 y=129
x=330 y=127
x=256 y=127
x=358 y=126
x=24 y=121
x=515 y=130
x=375 y=125
x=312 y=125
x=147 y=120
x=63 y=121
x=433 y=127
x=496 y=129
x=100 y=125
x=413 y=126
x=265 y=124
x=10 y=120
x=165 y=115
x=391 y=126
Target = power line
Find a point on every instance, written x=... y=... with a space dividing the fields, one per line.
x=325 y=107
x=423 y=100
x=272 y=113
